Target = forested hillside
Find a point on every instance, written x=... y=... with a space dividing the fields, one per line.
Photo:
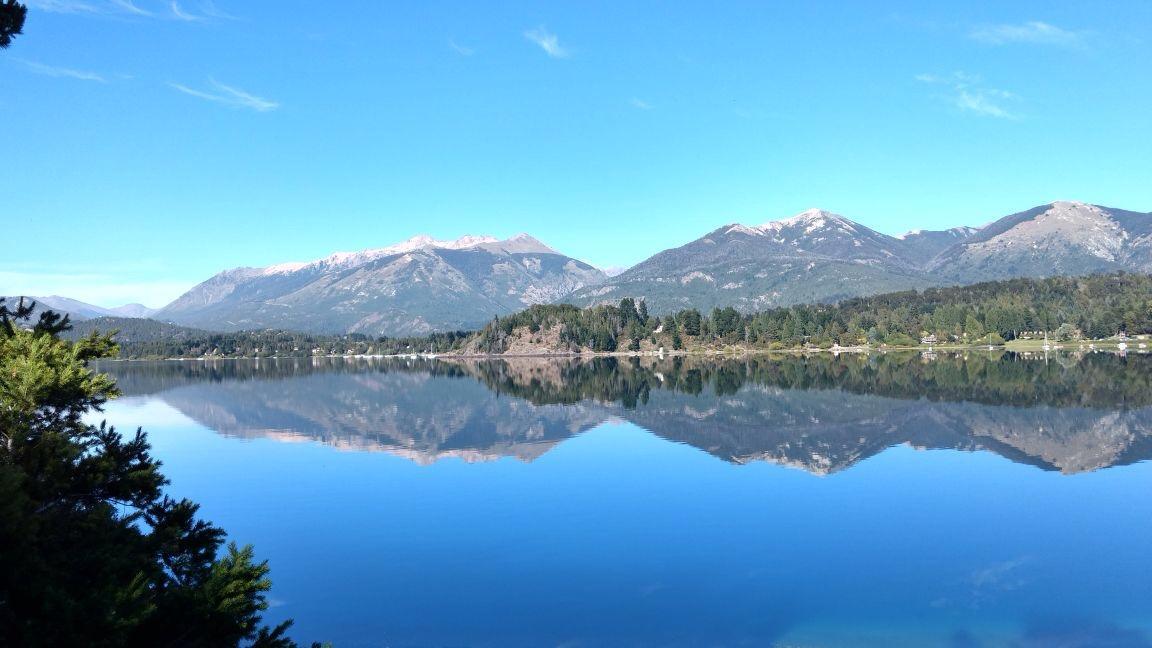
x=1094 y=307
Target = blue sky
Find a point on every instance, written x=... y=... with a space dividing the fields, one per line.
x=153 y=143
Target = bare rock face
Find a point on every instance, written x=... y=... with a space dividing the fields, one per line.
x=415 y=287
x=1064 y=238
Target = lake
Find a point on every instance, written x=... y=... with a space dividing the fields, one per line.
x=985 y=499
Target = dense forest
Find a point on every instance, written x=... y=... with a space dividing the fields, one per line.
x=149 y=339
x=1093 y=307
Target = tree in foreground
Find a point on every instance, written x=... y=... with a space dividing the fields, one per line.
x=91 y=550
x=12 y=15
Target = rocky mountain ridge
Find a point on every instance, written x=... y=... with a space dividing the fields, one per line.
x=414 y=287
x=817 y=256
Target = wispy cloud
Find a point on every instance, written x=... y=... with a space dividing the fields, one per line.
x=639 y=104
x=209 y=8
x=179 y=13
x=66 y=6
x=547 y=41
x=229 y=96
x=128 y=7
x=56 y=71
x=460 y=49
x=1033 y=32
x=968 y=93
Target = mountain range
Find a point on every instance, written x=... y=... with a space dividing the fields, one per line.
x=424 y=285
x=79 y=310
x=817 y=256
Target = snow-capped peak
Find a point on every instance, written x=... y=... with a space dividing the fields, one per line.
x=521 y=243
x=744 y=229
x=812 y=220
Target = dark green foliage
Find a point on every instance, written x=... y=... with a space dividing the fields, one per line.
x=600 y=328
x=149 y=339
x=91 y=550
x=690 y=321
x=1119 y=302
x=992 y=378
x=12 y=15
x=1099 y=305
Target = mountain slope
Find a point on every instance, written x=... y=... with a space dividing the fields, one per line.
x=921 y=246
x=1063 y=238
x=418 y=286
x=814 y=256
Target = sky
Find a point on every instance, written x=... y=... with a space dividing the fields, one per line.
x=153 y=143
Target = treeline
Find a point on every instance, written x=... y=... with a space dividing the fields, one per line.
x=150 y=339
x=1095 y=307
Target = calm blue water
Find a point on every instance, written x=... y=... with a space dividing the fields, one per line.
x=401 y=505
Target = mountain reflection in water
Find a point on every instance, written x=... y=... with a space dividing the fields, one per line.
x=822 y=413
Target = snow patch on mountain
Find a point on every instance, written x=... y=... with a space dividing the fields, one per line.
x=352 y=259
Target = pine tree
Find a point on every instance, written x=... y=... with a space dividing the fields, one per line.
x=12 y=15
x=91 y=549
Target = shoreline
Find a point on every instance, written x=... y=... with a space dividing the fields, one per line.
x=1013 y=346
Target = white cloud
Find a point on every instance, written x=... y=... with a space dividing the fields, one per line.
x=209 y=8
x=128 y=7
x=179 y=14
x=1034 y=32
x=983 y=102
x=94 y=288
x=968 y=93
x=460 y=49
x=229 y=96
x=547 y=41
x=639 y=104
x=55 y=71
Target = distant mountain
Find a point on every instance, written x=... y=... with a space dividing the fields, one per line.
x=921 y=246
x=1063 y=238
x=79 y=310
x=414 y=287
x=133 y=310
x=12 y=301
x=814 y=256
x=423 y=285
x=817 y=256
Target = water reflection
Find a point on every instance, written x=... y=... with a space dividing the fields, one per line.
x=821 y=413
